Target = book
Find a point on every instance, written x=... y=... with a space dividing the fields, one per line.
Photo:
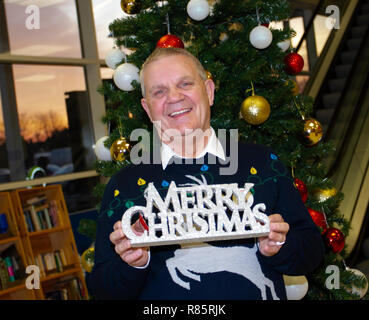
x=59 y=265
x=47 y=218
x=53 y=211
x=63 y=257
x=35 y=219
x=49 y=262
x=29 y=224
x=39 y=200
x=3 y=274
x=40 y=264
x=9 y=265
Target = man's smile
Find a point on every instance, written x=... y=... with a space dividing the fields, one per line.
x=180 y=112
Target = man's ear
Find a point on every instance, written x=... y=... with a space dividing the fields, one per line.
x=210 y=88
x=146 y=107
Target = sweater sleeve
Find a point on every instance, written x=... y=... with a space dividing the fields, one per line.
x=111 y=277
x=303 y=249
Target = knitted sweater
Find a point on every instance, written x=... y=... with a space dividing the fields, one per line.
x=233 y=269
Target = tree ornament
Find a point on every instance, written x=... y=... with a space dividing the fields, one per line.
x=131 y=6
x=296 y=89
x=361 y=292
x=296 y=287
x=334 y=239
x=294 y=63
x=170 y=41
x=120 y=149
x=102 y=152
x=313 y=131
x=261 y=37
x=209 y=75
x=318 y=218
x=284 y=45
x=322 y=195
x=124 y=75
x=114 y=57
x=198 y=9
x=301 y=187
x=255 y=109
x=88 y=259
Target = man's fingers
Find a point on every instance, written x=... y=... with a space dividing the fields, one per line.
x=279 y=227
x=137 y=228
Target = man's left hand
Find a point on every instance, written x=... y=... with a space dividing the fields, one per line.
x=271 y=244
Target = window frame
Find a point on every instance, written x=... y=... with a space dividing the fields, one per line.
x=91 y=63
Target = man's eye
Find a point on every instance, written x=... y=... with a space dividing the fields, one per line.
x=158 y=93
x=186 y=84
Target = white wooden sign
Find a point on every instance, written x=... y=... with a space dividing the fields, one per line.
x=197 y=214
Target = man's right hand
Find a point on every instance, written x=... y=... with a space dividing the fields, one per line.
x=135 y=257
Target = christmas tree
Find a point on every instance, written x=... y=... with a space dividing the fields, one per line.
x=252 y=66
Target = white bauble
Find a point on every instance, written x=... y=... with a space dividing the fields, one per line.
x=124 y=75
x=284 y=45
x=102 y=152
x=296 y=287
x=198 y=9
x=355 y=290
x=261 y=37
x=113 y=57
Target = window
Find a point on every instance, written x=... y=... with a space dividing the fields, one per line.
x=51 y=106
x=4 y=167
x=105 y=12
x=31 y=37
x=54 y=123
x=321 y=32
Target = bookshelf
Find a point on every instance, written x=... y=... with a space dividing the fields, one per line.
x=42 y=228
x=12 y=254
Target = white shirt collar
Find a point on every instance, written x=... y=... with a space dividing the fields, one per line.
x=214 y=147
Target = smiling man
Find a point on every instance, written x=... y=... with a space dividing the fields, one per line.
x=177 y=97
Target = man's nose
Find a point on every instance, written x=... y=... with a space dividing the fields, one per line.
x=174 y=95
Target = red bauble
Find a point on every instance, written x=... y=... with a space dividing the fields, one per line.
x=334 y=239
x=170 y=41
x=301 y=187
x=294 y=63
x=318 y=218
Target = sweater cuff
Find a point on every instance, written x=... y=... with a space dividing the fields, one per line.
x=148 y=261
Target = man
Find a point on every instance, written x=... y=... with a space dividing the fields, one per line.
x=177 y=96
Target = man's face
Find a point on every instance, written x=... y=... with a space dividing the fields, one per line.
x=176 y=96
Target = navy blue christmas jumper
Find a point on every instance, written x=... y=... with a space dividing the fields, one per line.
x=233 y=269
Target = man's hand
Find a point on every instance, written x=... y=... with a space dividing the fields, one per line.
x=271 y=244
x=135 y=257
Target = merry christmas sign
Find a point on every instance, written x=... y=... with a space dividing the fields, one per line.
x=198 y=213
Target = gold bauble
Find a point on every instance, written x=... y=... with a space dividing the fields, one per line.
x=313 y=131
x=209 y=75
x=296 y=89
x=131 y=6
x=322 y=195
x=120 y=149
x=255 y=109
x=88 y=259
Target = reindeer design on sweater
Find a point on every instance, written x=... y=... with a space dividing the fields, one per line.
x=209 y=259
x=194 y=259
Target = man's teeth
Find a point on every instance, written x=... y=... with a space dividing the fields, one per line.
x=179 y=112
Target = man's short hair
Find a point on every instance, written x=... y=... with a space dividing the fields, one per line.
x=159 y=53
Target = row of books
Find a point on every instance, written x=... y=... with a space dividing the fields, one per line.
x=11 y=267
x=40 y=214
x=51 y=262
x=67 y=290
